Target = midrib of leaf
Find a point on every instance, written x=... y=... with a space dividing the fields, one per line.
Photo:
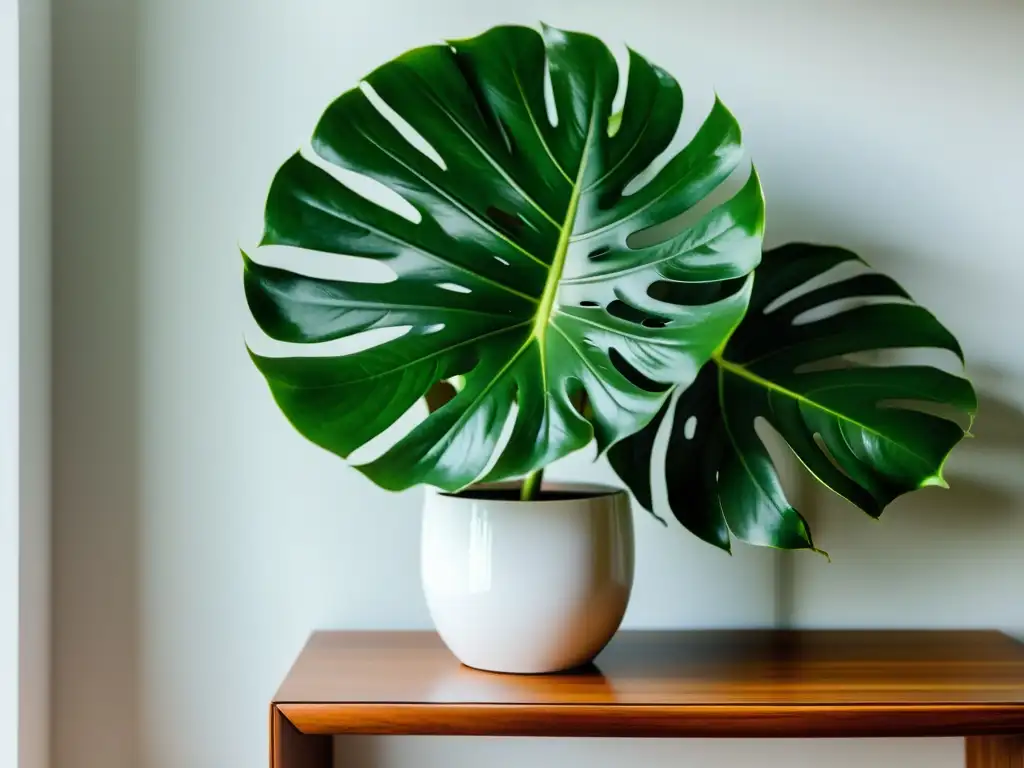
x=547 y=298
x=544 y=307
x=753 y=378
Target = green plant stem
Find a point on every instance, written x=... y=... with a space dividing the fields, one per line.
x=531 y=486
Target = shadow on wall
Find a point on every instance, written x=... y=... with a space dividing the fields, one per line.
x=986 y=475
x=96 y=385
x=937 y=557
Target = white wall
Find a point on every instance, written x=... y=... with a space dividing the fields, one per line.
x=24 y=383
x=198 y=540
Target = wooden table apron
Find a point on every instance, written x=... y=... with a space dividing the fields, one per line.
x=713 y=683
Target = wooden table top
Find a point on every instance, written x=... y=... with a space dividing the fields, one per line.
x=667 y=683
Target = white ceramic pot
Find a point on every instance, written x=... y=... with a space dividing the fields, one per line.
x=527 y=586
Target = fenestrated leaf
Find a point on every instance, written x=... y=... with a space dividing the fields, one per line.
x=870 y=433
x=521 y=254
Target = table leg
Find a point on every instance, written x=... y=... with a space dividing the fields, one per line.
x=995 y=751
x=289 y=748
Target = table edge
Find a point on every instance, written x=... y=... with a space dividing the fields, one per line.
x=656 y=720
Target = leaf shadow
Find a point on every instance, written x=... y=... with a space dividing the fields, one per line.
x=984 y=474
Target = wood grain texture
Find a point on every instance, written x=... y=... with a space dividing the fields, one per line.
x=291 y=749
x=702 y=683
x=995 y=752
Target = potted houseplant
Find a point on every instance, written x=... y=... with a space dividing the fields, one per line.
x=560 y=274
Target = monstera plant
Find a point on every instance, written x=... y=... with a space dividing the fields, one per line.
x=868 y=432
x=517 y=275
x=565 y=268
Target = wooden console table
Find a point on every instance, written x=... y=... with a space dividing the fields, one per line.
x=742 y=683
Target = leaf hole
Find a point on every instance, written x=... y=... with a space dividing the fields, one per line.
x=823 y=447
x=329 y=266
x=621 y=54
x=837 y=307
x=597 y=253
x=549 y=95
x=785 y=476
x=943 y=359
x=347 y=345
x=397 y=429
x=624 y=311
x=589 y=304
x=694 y=294
x=366 y=187
x=700 y=103
x=733 y=186
x=454 y=287
x=929 y=407
x=632 y=375
x=402 y=125
x=436 y=327
x=690 y=427
x=577 y=395
x=842 y=271
x=503 y=261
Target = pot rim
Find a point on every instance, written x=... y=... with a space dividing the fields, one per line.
x=564 y=491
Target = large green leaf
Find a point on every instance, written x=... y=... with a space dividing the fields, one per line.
x=519 y=270
x=868 y=432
